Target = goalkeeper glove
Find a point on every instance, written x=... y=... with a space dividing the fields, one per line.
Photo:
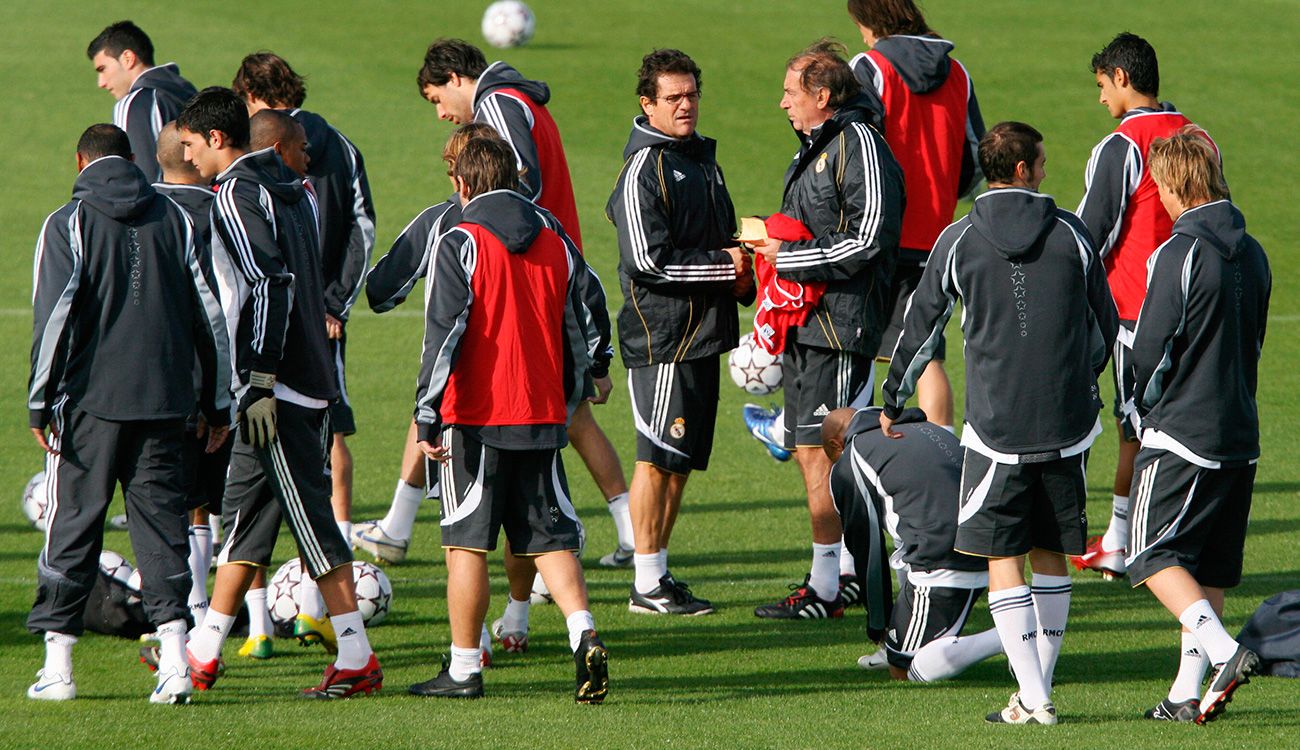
x=257 y=411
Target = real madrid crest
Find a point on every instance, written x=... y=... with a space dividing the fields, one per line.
x=821 y=163
x=678 y=430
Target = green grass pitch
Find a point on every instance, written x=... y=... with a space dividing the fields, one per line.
x=727 y=680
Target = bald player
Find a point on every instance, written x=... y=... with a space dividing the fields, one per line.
x=273 y=128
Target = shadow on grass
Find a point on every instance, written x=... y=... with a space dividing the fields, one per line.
x=690 y=507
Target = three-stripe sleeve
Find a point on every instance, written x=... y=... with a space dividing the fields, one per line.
x=406 y=262
x=451 y=295
x=870 y=205
x=971 y=174
x=1163 y=316
x=342 y=292
x=861 y=513
x=137 y=113
x=1113 y=172
x=514 y=121
x=211 y=342
x=57 y=269
x=872 y=84
x=1103 y=316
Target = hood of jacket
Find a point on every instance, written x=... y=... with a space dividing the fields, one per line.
x=921 y=61
x=1013 y=219
x=115 y=187
x=644 y=134
x=266 y=169
x=868 y=419
x=165 y=77
x=501 y=75
x=1219 y=224
x=319 y=134
x=509 y=216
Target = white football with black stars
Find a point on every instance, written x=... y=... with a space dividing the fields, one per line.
x=508 y=23
x=374 y=592
x=35 y=501
x=282 y=592
x=753 y=368
x=116 y=566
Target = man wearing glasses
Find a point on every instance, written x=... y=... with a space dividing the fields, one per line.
x=681 y=275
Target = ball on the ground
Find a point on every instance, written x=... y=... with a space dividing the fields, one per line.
x=508 y=23
x=35 y=501
x=753 y=368
x=374 y=592
x=117 y=566
x=282 y=592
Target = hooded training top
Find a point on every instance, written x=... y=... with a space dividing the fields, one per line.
x=119 y=296
x=155 y=99
x=1198 y=340
x=1121 y=206
x=673 y=215
x=846 y=187
x=1037 y=320
x=516 y=107
x=347 y=213
x=266 y=252
x=507 y=333
x=197 y=202
x=931 y=119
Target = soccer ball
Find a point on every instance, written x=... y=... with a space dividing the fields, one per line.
x=374 y=592
x=117 y=566
x=508 y=23
x=35 y=502
x=753 y=369
x=282 y=593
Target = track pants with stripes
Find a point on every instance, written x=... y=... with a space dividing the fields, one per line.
x=288 y=479
x=95 y=455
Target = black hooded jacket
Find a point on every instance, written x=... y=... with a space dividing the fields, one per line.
x=846 y=187
x=1037 y=319
x=512 y=120
x=674 y=216
x=120 y=297
x=266 y=252
x=155 y=99
x=1199 y=337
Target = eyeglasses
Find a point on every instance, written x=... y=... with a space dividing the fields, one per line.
x=677 y=99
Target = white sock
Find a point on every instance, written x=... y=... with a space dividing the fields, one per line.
x=1052 y=607
x=171 y=645
x=619 y=509
x=1191 y=670
x=1200 y=619
x=58 y=654
x=515 y=618
x=198 y=612
x=259 y=617
x=400 y=521
x=776 y=431
x=465 y=662
x=205 y=642
x=214 y=523
x=485 y=644
x=345 y=528
x=354 y=647
x=579 y=622
x=1116 y=536
x=200 y=561
x=825 y=576
x=948 y=657
x=310 y=602
x=663 y=559
x=649 y=569
x=848 y=565
x=1013 y=614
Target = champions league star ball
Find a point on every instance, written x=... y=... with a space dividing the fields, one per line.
x=508 y=23
x=374 y=592
x=117 y=566
x=282 y=593
x=753 y=369
x=35 y=503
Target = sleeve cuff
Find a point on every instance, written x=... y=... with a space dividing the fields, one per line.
x=426 y=432
x=892 y=411
x=38 y=418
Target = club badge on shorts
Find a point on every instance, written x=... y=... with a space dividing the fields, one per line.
x=678 y=430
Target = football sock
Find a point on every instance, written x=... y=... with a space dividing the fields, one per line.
x=1116 y=536
x=205 y=642
x=1191 y=670
x=663 y=560
x=400 y=521
x=1013 y=614
x=579 y=622
x=345 y=528
x=214 y=523
x=776 y=431
x=200 y=561
x=847 y=564
x=948 y=657
x=58 y=653
x=171 y=645
x=1199 y=618
x=515 y=618
x=1052 y=606
x=354 y=647
x=485 y=645
x=465 y=662
x=618 y=508
x=649 y=569
x=310 y=602
x=825 y=576
x=259 y=617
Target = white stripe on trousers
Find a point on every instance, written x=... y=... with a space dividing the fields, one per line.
x=296 y=511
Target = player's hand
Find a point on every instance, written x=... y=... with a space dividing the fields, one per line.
x=216 y=438
x=256 y=414
x=740 y=259
x=39 y=433
x=887 y=427
x=604 y=386
x=433 y=452
x=333 y=327
x=769 y=249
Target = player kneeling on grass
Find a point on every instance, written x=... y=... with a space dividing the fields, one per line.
x=267 y=258
x=910 y=489
x=1038 y=321
x=119 y=246
x=1195 y=359
x=507 y=338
